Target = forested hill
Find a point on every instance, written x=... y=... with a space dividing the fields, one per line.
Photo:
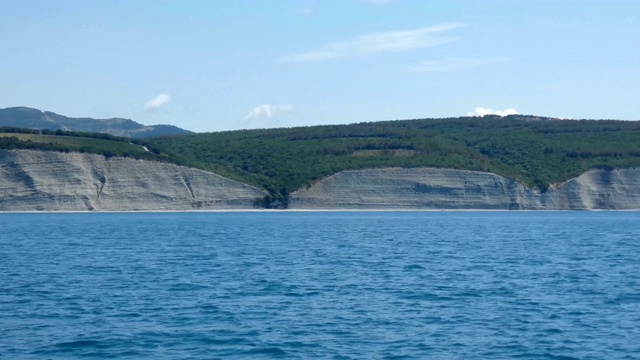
x=537 y=151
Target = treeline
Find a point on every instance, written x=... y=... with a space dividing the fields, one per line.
x=13 y=143
x=94 y=143
x=79 y=134
x=101 y=144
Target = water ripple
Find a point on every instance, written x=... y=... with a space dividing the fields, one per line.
x=549 y=285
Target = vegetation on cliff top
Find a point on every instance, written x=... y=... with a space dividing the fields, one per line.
x=536 y=151
x=96 y=143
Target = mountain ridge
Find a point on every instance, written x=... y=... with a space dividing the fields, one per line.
x=31 y=118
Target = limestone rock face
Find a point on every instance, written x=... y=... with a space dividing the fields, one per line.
x=54 y=181
x=434 y=188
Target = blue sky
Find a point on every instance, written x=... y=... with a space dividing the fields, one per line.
x=224 y=65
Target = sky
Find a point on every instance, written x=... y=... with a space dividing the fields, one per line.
x=216 y=65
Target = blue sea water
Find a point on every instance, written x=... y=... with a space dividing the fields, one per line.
x=340 y=285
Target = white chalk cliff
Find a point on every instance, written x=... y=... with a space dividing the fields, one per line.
x=55 y=181
x=433 y=188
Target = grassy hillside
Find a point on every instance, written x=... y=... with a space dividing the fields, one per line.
x=536 y=151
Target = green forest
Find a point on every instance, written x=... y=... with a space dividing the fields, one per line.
x=534 y=150
x=82 y=142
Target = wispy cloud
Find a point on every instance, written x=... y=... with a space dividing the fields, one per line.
x=453 y=64
x=267 y=111
x=378 y=2
x=157 y=102
x=305 y=11
x=482 y=111
x=381 y=42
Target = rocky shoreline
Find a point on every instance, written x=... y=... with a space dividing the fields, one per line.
x=433 y=188
x=55 y=181
x=44 y=181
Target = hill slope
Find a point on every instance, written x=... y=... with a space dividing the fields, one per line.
x=24 y=117
x=535 y=151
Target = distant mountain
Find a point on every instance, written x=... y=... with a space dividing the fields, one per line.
x=25 y=117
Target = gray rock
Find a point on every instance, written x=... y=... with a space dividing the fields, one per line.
x=434 y=188
x=54 y=181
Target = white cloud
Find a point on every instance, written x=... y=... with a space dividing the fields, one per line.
x=481 y=111
x=267 y=111
x=392 y=41
x=453 y=64
x=157 y=102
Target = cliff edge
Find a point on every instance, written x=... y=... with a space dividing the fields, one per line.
x=55 y=181
x=435 y=188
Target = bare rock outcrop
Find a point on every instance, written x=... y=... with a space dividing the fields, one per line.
x=434 y=188
x=54 y=181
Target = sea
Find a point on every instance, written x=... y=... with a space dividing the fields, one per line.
x=320 y=285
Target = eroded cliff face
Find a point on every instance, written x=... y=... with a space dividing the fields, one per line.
x=53 y=181
x=432 y=188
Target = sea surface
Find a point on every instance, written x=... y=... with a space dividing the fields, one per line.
x=336 y=285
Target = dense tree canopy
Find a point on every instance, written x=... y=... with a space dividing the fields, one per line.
x=536 y=151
